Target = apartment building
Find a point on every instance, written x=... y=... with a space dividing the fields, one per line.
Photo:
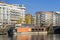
x=56 y=19
x=34 y=20
x=11 y=13
x=28 y=18
x=44 y=18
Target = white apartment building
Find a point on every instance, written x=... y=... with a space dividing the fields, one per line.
x=56 y=17
x=10 y=13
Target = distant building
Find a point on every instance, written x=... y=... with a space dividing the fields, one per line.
x=38 y=19
x=11 y=13
x=56 y=17
x=28 y=19
x=34 y=20
x=44 y=18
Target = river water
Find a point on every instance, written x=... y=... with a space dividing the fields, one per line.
x=31 y=37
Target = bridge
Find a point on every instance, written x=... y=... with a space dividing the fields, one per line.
x=4 y=29
x=54 y=29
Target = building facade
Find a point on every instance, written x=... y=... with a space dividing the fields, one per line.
x=44 y=18
x=56 y=17
x=11 y=13
x=34 y=20
x=28 y=18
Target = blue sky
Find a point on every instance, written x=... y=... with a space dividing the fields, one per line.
x=33 y=6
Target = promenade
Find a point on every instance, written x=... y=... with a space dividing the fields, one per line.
x=33 y=33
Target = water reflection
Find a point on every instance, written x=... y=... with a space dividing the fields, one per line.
x=38 y=37
x=22 y=37
x=50 y=37
x=56 y=37
x=31 y=37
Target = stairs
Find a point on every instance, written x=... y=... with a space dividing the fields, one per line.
x=4 y=29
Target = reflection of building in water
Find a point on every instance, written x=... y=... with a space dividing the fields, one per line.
x=50 y=37
x=56 y=37
x=38 y=37
x=32 y=37
x=23 y=37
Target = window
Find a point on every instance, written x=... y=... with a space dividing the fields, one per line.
x=3 y=8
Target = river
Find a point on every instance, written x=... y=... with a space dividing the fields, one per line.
x=31 y=37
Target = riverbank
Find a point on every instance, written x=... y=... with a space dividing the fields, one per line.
x=31 y=33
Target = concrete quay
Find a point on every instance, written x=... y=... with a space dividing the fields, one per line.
x=34 y=33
